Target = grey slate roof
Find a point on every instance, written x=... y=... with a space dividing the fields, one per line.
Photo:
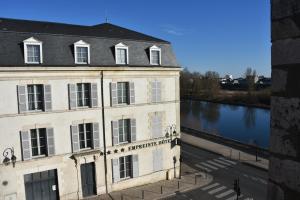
x=58 y=40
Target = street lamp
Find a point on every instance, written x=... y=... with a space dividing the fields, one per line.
x=171 y=130
x=9 y=151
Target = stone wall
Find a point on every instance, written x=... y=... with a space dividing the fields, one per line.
x=284 y=173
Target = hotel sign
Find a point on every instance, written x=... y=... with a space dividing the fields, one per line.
x=149 y=144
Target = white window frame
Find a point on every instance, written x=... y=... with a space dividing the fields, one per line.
x=157 y=91
x=155 y=48
x=125 y=137
x=32 y=41
x=126 y=176
x=38 y=142
x=121 y=46
x=84 y=132
x=81 y=43
x=84 y=85
x=35 y=96
x=125 y=93
x=157 y=125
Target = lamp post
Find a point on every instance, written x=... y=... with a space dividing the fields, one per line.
x=9 y=151
x=174 y=161
x=180 y=161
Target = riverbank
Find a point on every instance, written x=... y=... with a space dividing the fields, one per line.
x=226 y=151
x=260 y=99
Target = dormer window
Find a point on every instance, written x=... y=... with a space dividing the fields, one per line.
x=155 y=55
x=121 y=52
x=33 y=51
x=82 y=52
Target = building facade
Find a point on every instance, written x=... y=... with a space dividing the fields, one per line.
x=85 y=110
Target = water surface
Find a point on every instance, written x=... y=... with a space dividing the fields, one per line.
x=245 y=124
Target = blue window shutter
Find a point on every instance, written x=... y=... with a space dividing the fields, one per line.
x=115 y=132
x=133 y=129
x=135 y=166
x=75 y=138
x=153 y=91
x=158 y=91
x=157 y=159
x=94 y=95
x=72 y=96
x=113 y=94
x=115 y=170
x=132 y=92
x=26 y=145
x=50 y=142
x=47 y=98
x=96 y=140
x=22 y=98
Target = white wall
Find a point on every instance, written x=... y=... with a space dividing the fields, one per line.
x=60 y=118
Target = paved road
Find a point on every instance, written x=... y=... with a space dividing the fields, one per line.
x=253 y=181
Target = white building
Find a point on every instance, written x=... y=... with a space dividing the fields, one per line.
x=85 y=109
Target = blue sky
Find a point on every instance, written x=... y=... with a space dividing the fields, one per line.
x=226 y=36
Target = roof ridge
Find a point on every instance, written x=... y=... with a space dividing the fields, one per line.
x=106 y=30
x=48 y=22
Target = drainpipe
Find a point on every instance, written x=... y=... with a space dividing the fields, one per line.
x=103 y=130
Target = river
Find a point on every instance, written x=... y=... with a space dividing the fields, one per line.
x=245 y=124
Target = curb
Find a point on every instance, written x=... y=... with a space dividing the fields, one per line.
x=186 y=189
x=217 y=153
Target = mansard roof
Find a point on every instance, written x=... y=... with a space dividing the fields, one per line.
x=58 y=43
x=105 y=30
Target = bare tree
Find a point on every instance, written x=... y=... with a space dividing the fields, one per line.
x=250 y=75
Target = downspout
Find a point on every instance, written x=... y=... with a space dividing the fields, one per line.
x=103 y=130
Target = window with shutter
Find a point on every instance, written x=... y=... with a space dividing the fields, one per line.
x=157 y=159
x=115 y=132
x=125 y=164
x=135 y=166
x=50 y=141
x=115 y=170
x=75 y=138
x=113 y=94
x=85 y=136
x=26 y=145
x=156 y=91
x=96 y=136
x=133 y=130
x=124 y=130
x=94 y=95
x=22 y=100
x=47 y=98
x=156 y=125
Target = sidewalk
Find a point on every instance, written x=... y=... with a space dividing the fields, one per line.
x=225 y=151
x=190 y=179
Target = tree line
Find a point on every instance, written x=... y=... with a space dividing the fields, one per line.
x=197 y=85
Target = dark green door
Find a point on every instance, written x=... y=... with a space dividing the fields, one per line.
x=41 y=186
x=88 y=182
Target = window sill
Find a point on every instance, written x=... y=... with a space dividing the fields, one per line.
x=86 y=151
x=82 y=107
x=39 y=156
x=124 y=143
x=33 y=63
x=122 y=105
x=82 y=63
x=33 y=111
x=125 y=179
